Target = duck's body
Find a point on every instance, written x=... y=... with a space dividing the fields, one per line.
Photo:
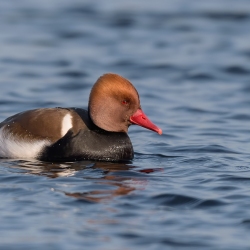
x=69 y=134
x=73 y=136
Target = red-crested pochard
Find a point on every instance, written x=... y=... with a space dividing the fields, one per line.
x=70 y=134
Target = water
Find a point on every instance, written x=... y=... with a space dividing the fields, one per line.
x=186 y=189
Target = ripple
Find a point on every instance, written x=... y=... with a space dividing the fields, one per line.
x=210 y=203
x=246 y=223
x=122 y=20
x=81 y=9
x=201 y=77
x=236 y=70
x=148 y=156
x=69 y=34
x=236 y=178
x=174 y=200
x=62 y=63
x=198 y=110
x=240 y=117
x=186 y=202
x=73 y=86
x=203 y=149
x=73 y=74
x=228 y=16
x=30 y=74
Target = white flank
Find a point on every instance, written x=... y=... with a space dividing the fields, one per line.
x=14 y=148
x=66 y=124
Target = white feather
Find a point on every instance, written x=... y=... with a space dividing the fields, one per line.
x=16 y=148
x=66 y=124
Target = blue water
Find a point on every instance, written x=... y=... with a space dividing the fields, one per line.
x=186 y=189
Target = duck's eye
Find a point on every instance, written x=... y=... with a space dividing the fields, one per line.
x=125 y=102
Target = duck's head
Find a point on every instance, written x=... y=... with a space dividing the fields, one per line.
x=114 y=105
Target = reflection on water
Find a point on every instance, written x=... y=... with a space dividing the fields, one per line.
x=51 y=170
x=105 y=195
x=119 y=184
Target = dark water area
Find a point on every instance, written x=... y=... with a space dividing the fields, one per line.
x=186 y=189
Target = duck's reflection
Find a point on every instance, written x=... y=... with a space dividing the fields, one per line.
x=103 y=195
x=116 y=179
x=51 y=170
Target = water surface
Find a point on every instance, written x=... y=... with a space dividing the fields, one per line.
x=186 y=189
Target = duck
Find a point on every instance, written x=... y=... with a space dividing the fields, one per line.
x=99 y=133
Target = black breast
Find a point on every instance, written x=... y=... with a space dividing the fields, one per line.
x=90 y=145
